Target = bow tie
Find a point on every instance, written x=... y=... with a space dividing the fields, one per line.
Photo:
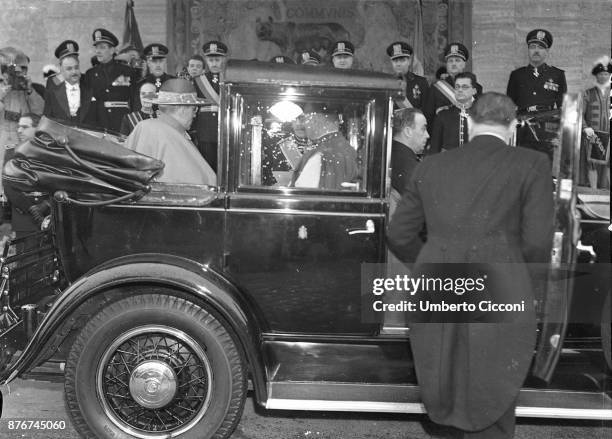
x=74 y=88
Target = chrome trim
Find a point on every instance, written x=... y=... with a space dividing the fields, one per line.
x=160 y=207
x=344 y=406
x=561 y=413
x=303 y=212
x=413 y=407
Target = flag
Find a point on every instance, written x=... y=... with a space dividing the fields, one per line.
x=131 y=35
x=417 y=39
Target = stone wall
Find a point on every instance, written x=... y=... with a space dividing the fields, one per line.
x=38 y=26
x=581 y=33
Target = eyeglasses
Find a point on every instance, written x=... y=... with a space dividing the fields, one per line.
x=463 y=87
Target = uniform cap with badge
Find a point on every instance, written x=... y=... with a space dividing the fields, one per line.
x=343 y=48
x=175 y=91
x=214 y=48
x=155 y=51
x=66 y=48
x=458 y=50
x=310 y=58
x=399 y=49
x=541 y=37
x=282 y=59
x=104 y=36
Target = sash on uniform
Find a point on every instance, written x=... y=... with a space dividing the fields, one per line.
x=446 y=90
x=207 y=89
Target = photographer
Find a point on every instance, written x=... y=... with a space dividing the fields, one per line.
x=16 y=95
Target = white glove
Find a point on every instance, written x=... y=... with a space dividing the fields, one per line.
x=589 y=132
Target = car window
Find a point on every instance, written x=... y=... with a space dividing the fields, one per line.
x=304 y=143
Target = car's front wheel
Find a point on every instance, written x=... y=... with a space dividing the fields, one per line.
x=152 y=366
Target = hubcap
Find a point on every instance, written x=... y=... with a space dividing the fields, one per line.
x=153 y=384
x=154 y=380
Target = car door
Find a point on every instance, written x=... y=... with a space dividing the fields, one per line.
x=298 y=251
x=554 y=309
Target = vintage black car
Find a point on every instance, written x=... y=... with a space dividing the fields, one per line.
x=165 y=307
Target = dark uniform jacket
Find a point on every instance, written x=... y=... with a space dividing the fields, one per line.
x=484 y=202
x=403 y=162
x=436 y=100
x=206 y=122
x=157 y=81
x=417 y=89
x=111 y=84
x=537 y=93
x=445 y=133
x=56 y=104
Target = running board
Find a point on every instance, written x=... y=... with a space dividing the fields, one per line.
x=389 y=398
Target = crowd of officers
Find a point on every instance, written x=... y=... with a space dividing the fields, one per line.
x=108 y=95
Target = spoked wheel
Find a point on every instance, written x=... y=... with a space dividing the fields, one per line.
x=155 y=366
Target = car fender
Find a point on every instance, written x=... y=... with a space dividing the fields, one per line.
x=194 y=279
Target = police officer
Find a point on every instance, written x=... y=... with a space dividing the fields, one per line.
x=111 y=83
x=343 y=55
x=443 y=91
x=416 y=87
x=537 y=86
x=206 y=121
x=155 y=55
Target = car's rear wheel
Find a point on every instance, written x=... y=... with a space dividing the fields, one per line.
x=152 y=366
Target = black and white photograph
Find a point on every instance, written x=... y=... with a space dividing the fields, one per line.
x=305 y=219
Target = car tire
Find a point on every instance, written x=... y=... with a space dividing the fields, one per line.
x=606 y=329
x=154 y=365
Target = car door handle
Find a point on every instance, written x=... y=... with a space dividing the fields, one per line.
x=369 y=229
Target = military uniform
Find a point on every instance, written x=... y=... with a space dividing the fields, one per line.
x=206 y=122
x=450 y=129
x=111 y=84
x=442 y=93
x=417 y=87
x=537 y=88
x=309 y=58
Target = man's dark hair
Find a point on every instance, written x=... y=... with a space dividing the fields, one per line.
x=441 y=71
x=404 y=118
x=493 y=108
x=35 y=118
x=197 y=58
x=469 y=75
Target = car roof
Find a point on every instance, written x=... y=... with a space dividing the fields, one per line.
x=258 y=72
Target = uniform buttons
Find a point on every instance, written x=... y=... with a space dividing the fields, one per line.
x=107 y=90
x=108 y=110
x=534 y=93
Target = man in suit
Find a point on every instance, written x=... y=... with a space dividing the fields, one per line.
x=450 y=128
x=488 y=209
x=206 y=122
x=442 y=91
x=537 y=86
x=67 y=101
x=416 y=88
x=111 y=83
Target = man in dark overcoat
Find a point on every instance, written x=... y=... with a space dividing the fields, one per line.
x=484 y=203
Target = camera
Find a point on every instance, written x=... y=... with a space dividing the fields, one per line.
x=15 y=77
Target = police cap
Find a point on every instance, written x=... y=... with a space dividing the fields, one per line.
x=155 y=50
x=68 y=47
x=458 y=50
x=541 y=37
x=343 y=48
x=103 y=36
x=310 y=58
x=399 y=49
x=214 y=48
x=282 y=59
